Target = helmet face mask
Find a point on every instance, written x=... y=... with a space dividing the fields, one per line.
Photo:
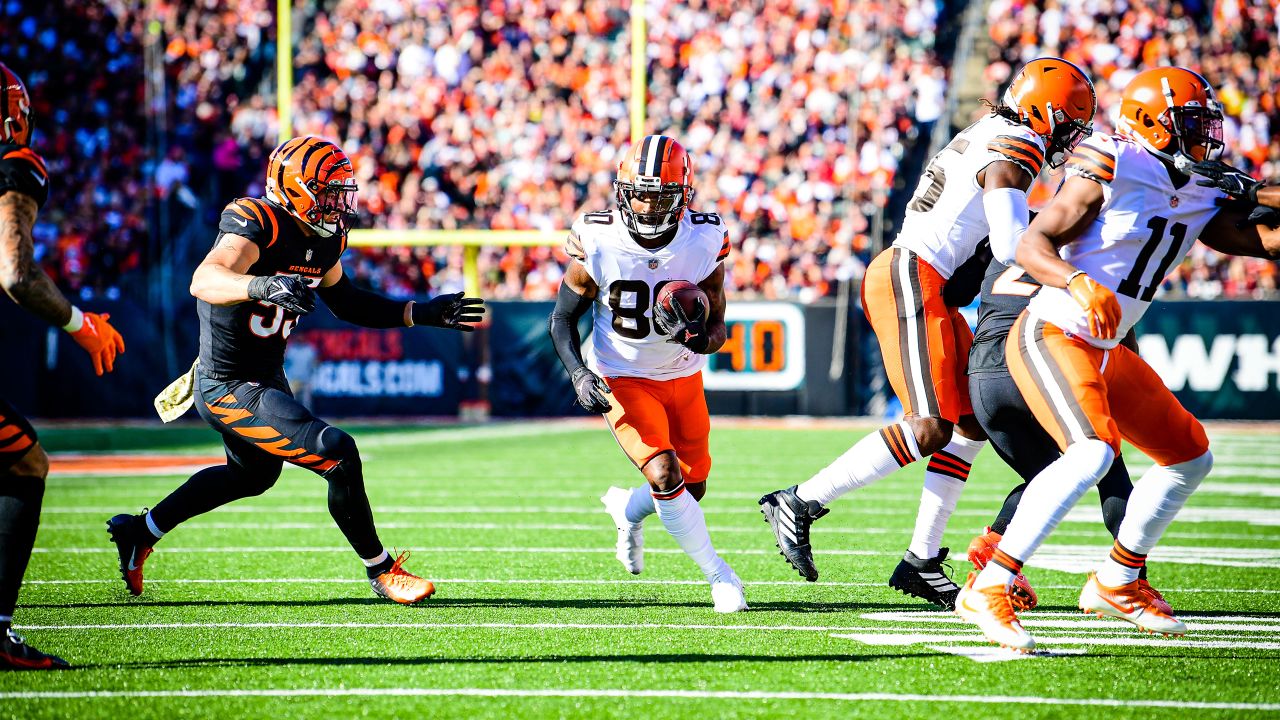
x=649 y=207
x=334 y=211
x=1196 y=130
x=1064 y=139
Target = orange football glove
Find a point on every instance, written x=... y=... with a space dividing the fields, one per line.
x=1099 y=303
x=100 y=340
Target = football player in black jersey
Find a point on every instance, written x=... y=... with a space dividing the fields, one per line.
x=24 y=188
x=272 y=258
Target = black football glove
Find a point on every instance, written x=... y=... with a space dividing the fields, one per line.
x=591 y=391
x=690 y=332
x=449 y=311
x=290 y=292
x=1262 y=215
x=1236 y=183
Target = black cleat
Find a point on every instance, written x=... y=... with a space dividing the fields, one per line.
x=133 y=542
x=926 y=579
x=790 y=518
x=16 y=654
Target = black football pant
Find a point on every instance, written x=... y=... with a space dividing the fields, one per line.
x=21 y=493
x=262 y=428
x=1026 y=447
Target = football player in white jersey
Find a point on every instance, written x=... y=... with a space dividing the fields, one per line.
x=974 y=188
x=1126 y=213
x=644 y=370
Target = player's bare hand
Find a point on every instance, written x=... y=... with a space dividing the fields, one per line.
x=100 y=340
x=1099 y=303
x=1232 y=181
x=679 y=328
x=591 y=391
x=290 y=292
x=454 y=312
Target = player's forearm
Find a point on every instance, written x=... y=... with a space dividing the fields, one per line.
x=23 y=280
x=220 y=285
x=562 y=326
x=366 y=309
x=1269 y=196
x=716 y=335
x=1037 y=255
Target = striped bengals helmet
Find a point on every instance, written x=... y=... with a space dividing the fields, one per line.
x=1056 y=100
x=15 y=109
x=655 y=175
x=1173 y=113
x=313 y=180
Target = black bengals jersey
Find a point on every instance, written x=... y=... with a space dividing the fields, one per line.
x=246 y=341
x=22 y=170
x=1006 y=290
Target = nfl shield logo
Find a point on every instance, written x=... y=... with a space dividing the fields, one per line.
x=1173 y=201
x=309 y=255
x=653 y=264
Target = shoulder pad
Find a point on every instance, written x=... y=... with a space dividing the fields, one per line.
x=1095 y=158
x=23 y=171
x=251 y=218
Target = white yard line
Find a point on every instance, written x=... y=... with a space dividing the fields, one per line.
x=338 y=549
x=589 y=693
x=934 y=638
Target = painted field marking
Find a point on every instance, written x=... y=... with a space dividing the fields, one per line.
x=337 y=549
x=999 y=654
x=560 y=581
x=618 y=693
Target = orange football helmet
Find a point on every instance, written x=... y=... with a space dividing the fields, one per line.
x=1056 y=100
x=1173 y=113
x=654 y=174
x=313 y=179
x=15 y=109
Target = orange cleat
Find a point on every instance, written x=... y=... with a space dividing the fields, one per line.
x=401 y=585
x=129 y=534
x=991 y=609
x=1130 y=603
x=1157 y=600
x=981 y=549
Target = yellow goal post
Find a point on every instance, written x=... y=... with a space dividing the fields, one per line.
x=470 y=240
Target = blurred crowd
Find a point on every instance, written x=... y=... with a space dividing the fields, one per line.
x=92 y=235
x=513 y=115
x=1233 y=43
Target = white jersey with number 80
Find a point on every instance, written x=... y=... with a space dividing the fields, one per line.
x=624 y=341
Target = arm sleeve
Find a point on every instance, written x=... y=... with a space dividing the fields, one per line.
x=563 y=327
x=1008 y=217
x=361 y=307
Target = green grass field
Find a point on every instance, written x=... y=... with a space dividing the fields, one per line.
x=260 y=609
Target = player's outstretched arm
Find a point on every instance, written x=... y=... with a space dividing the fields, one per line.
x=1076 y=205
x=29 y=286
x=1235 y=231
x=577 y=292
x=368 y=309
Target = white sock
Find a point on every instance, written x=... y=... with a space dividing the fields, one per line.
x=373 y=562
x=151 y=527
x=944 y=480
x=993 y=574
x=1155 y=501
x=640 y=506
x=1048 y=499
x=682 y=517
x=870 y=459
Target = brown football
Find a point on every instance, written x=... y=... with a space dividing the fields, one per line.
x=685 y=293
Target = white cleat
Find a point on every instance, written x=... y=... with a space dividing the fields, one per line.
x=991 y=609
x=1131 y=604
x=726 y=592
x=630 y=535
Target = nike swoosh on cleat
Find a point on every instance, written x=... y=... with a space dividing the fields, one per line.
x=132 y=555
x=1127 y=610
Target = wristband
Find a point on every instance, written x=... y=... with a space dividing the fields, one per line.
x=76 y=322
x=1073 y=275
